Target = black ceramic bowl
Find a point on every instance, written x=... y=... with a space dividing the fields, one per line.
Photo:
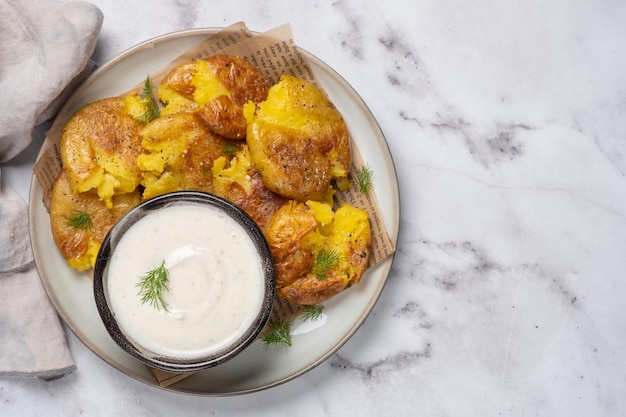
x=168 y=362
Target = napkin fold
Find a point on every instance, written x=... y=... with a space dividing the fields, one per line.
x=33 y=341
x=45 y=50
x=44 y=45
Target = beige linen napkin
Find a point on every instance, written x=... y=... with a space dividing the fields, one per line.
x=33 y=341
x=45 y=50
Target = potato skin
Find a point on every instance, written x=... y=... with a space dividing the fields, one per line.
x=284 y=235
x=179 y=154
x=238 y=181
x=310 y=290
x=296 y=239
x=80 y=246
x=99 y=148
x=290 y=162
x=298 y=140
x=245 y=82
x=179 y=79
x=220 y=85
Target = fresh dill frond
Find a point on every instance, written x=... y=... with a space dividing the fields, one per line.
x=151 y=113
x=311 y=313
x=152 y=285
x=278 y=333
x=147 y=88
x=79 y=220
x=229 y=149
x=364 y=179
x=324 y=262
x=152 y=110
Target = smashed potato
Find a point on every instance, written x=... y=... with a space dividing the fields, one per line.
x=318 y=253
x=80 y=221
x=298 y=140
x=216 y=89
x=99 y=148
x=292 y=260
x=180 y=151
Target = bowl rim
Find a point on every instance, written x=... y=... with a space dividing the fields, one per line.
x=117 y=231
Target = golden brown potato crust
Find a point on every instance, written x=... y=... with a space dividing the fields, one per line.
x=284 y=234
x=298 y=140
x=241 y=183
x=180 y=151
x=310 y=290
x=260 y=203
x=99 y=148
x=179 y=79
x=223 y=113
x=297 y=240
x=74 y=243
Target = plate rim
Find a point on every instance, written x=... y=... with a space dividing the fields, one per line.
x=392 y=230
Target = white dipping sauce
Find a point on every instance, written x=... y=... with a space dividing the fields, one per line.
x=215 y=277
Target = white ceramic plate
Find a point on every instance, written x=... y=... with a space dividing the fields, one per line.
x=257 y=368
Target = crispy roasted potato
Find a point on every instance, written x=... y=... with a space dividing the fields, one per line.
x=80 y=221
x=99 y=148
x=179 y=80
x=284 y=235
x=298 y=140
x=180 y=151
x=176 y=90
x=216 y=89
x=240 y=182
x=318 y=253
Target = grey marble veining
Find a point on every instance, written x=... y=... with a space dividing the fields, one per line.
x=507 y=124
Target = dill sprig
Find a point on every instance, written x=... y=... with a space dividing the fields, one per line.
x=311 y=313
x=229 y=149
x=278 y=333
x=79 y=220
x=152 y=110
x=152 y=285
x=324 y=262
x=151 y=113
x=147 y=87
x=364 y=179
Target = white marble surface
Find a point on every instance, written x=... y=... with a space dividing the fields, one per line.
x=507 y=124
